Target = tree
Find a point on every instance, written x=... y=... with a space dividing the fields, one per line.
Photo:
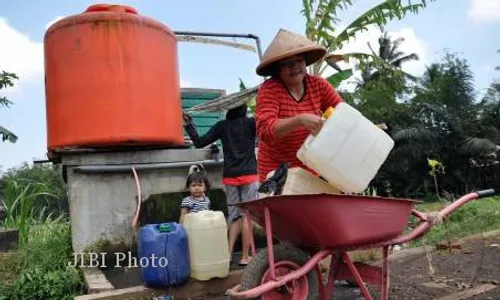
x=321 y=17
x=6 y=80
x=389 y=53
x=446 y=126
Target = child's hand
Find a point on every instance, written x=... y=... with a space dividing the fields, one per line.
x=187 y=118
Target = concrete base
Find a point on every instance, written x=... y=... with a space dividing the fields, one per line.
x=103 y=192
x=95 y=281
x=190 y=290
x=9 y=240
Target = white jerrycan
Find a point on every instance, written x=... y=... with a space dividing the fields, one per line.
x=208 y=250
x=348 y=151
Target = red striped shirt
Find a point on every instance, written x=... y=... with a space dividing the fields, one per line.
x=275 y=102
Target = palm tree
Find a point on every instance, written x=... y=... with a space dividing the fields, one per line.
x=321 y=16
x=390 y=55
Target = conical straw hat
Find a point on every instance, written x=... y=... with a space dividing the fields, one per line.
x=287 y=44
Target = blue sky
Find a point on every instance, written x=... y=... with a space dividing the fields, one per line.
x=467 y=27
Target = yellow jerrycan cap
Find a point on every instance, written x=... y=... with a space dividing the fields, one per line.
x=328 y=112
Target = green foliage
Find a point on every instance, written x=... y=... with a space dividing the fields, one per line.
x=55 y=204
x=252 y=103
x=6 y=80
x=437 y=118
x=43 y=269
x=338 y=77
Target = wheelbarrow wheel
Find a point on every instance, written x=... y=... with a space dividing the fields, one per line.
x=287 y=259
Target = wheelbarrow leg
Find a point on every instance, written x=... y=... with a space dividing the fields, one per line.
x=325 y=292
x=270 y=248
x=384 y=291
x=359 y=280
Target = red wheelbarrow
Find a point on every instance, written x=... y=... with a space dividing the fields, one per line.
x=313 y=227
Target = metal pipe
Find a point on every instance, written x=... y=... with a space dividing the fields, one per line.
x=98 y=169
x=248 y=36
x=257 y=41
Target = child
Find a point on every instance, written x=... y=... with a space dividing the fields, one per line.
x=197 y=185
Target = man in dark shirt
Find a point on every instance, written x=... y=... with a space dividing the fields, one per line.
x=237 y=134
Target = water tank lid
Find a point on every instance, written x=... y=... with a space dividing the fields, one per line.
x=111 y=8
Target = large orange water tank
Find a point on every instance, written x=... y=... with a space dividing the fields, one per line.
x=111 y=79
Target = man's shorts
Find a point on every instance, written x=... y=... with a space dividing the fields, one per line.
x=237 y=194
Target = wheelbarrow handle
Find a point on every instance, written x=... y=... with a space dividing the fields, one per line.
x=464 y=200
x=485 y=193
x=428 y=220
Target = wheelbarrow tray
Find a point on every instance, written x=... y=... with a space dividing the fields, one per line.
x=332 y=220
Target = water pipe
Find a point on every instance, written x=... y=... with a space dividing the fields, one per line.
x=139 y=198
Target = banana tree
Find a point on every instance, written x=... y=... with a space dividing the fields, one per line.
x=321 y=19
x=6 y=80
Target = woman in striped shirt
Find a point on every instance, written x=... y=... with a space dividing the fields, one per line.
x=290 y=103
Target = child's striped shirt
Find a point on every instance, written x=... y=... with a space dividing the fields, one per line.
x=195 y=205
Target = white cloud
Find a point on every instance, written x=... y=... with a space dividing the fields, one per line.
x=483 y=11
x=185 y=83
x=411 y=44
x=19 y=54
x=51 y=22
x=487 y=68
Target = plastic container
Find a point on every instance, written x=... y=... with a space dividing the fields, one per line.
x=300 y=181
x=208 y=250
x=163 y=255
x=111 y=80
x=348 y=151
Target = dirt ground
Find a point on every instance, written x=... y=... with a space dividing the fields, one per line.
x=476 y=264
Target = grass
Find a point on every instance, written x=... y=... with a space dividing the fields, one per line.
x=478 y=216
x=475 y=217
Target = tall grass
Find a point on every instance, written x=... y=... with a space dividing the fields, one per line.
x=18 y=200
x=42 y=270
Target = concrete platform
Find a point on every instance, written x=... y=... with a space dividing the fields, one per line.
x=191 y=289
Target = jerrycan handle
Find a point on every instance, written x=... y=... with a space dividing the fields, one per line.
x=308 y=141
x=327 y=114
x=207 y=213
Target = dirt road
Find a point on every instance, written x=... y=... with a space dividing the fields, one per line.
x=476 y=265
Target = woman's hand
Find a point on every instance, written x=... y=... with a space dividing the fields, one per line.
x=313 y=123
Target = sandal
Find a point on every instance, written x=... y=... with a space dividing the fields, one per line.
x=241 y=263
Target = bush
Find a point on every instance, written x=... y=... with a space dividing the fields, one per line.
x=37 y=283
x=43 y=267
